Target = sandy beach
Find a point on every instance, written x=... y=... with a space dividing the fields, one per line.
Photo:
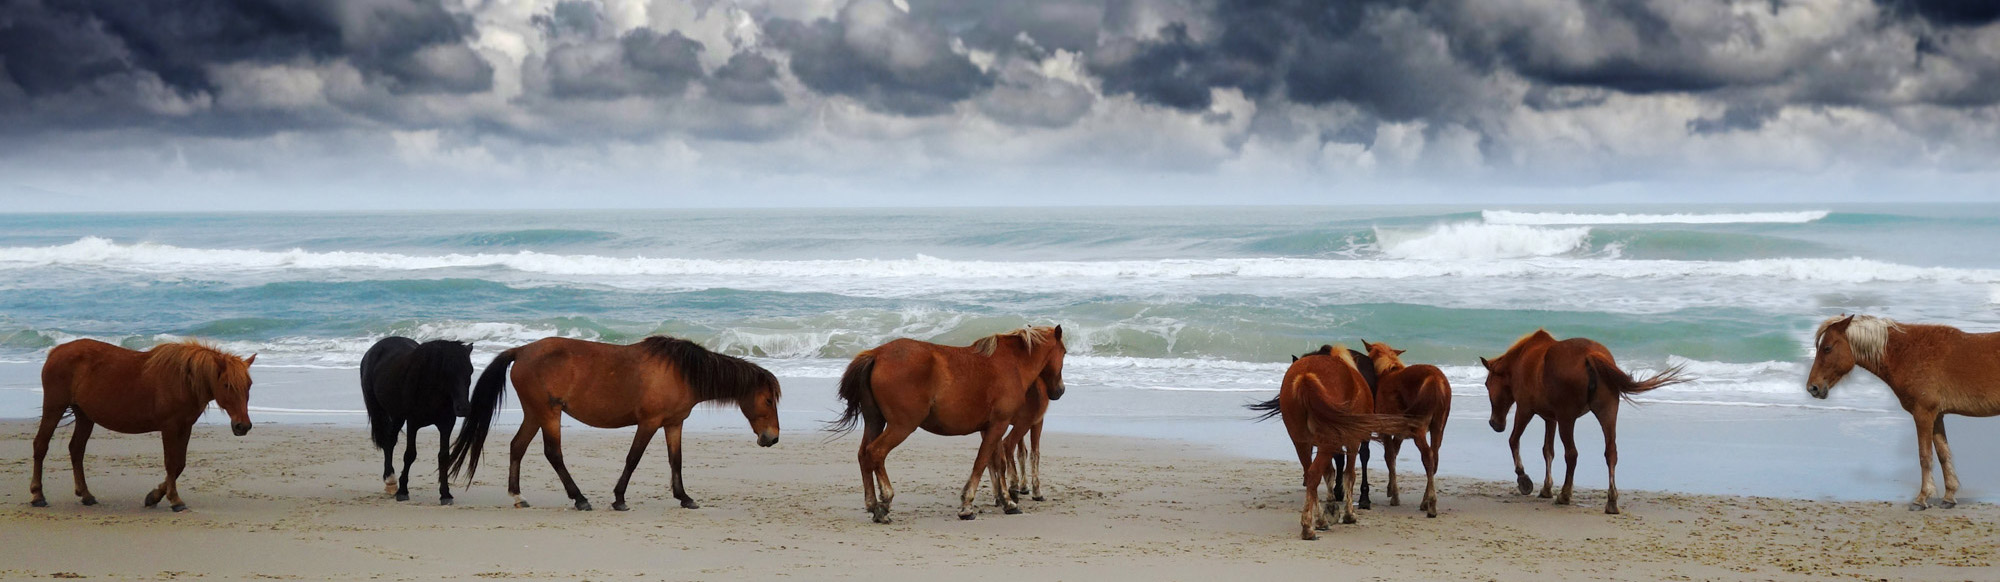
x=294 y=501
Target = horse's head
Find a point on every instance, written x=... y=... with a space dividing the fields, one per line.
x=1833 y=356
x=1051 y=375
x=1499 y=389
x=232 y=392
x=760 y=407
x=461 y=381
x=1386 y=359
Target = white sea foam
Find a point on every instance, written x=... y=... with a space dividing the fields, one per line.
x=1510 y=217
x=1474 y=241
x=1461 y=252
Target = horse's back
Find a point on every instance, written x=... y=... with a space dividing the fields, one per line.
x=1415 y=390
x=380 y=356
x=947 y=390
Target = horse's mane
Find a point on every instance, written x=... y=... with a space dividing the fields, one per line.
x=193 y=364
x=1867 y=335
x=1540 y=331
x=1030 y=336
x=712 y=376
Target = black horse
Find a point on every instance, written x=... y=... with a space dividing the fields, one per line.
x=421 y=385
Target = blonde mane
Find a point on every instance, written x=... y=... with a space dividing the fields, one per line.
x=1030 y=337
x=193 y=364
x=1340 y=351
x=1867 y=335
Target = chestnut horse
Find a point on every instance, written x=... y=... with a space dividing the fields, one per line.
x=1934 y=370
x=1319 y=400
x=906 y=384
x=164 y=389
x=1421 y=394
x=1559 y=381
x=654 y=384
x=1023 y=446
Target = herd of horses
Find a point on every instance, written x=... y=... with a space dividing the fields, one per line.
x=1333 y=402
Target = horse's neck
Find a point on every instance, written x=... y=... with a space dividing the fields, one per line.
x=1892 y=348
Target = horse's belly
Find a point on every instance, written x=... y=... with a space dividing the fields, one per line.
x=947 y=428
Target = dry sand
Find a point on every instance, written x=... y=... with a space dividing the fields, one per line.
x=303 y=502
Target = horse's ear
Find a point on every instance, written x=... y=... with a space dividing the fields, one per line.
x=1295 y=358
x=1400 y=352
x=1364 y=344
x=1840 y=326
x=1058 y=331
x=468 y=348
x=1486 y=364
x=250 y=360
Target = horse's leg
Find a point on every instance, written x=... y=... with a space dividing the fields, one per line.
x=50 y=418
x=1001 y=497
x=1944 y=461
x=552 y=449
x=444 y=458
x=409 y=460
x=388 y=461
x=1926 y=435
x=1608 y=419
x=1522 y=482
x=1548 y=457
x=639 y=442
x=1427 y=453
x=878 y=455
x=1006 y=471
x=674 y=461
x=175 y=441
x=1391 y=447
x=515 y=451
x=870 y=430
x=1568 y=428
x=1363 y=502
x=989 y=445
x=1313 y=517
x=78 y=439
x=1347 y=510
x=1035 y=462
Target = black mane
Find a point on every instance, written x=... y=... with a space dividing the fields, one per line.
x=712 y=376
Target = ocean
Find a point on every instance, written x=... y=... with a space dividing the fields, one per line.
x=1173 y=316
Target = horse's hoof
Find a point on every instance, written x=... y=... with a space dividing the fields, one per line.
x=1947 y=504
x=618 y=506
x=689 y=504
x=388 y=486
x=1347 y=520
x=1545 y=495
x=402 y=497
x=1611 y=510
x=521 y=505
x=1364 y=505
x=1322 y=526
x=967 y=516
x=1525 y=486
x=1039 y=498
x=153 y=498
x=179 y=507
x=1431 y=514
x=1393 y=502
x=1562 y=501
x=1918 y=507
x=582 y=505
x=444 y=501
x=90 y=500
x=41 y=503
x=1011 y=511
x=1307 y=534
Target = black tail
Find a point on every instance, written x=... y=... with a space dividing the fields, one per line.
x=1601 y=370
x=1269 y=408
x=857 y=390
x=380 y=426
x=479 y=416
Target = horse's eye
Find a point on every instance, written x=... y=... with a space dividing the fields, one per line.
x=1825 y=349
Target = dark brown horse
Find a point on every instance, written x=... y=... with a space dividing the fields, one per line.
x=165 y=389
x=1421 y=394
x=1934 y=370
x=1559 y=381
x=654 y=384
x=1327 y=408
x=1023 y=445
x=906 y=384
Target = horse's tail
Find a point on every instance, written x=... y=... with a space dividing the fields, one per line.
x=1345 y=426
x=479 y=414
x=858 y=390
x=1601 y=370
x=380 y=427
x=1269 y=408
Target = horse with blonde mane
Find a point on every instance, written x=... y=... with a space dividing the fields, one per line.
x=1934 y=370
x=1422 y=394
x=1327 y=407
x=164 y=389
x=898 y=387
x=1559 y=381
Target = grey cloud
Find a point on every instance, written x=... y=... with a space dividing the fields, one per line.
x=748 y=78
x=880 y=56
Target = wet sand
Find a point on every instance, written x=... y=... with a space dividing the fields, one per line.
x=294 y=501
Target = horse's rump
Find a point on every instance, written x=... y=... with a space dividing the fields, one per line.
x=858 y=391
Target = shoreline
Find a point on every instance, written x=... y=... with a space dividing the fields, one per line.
x=300 y=501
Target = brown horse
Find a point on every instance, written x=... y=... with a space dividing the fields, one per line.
x=905 y=384
x=1318 y=401
x=164 y=389
x=1559 y=381
x=1023 y=446
x=654 y=384
x=1421 y=394
x=1934 y=370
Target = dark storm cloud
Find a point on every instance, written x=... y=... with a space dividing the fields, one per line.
x=878 y=55
x=1070 y=25
x=748 y=78
x=1948 y=12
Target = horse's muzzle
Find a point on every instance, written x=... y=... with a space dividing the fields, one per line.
x=1496 y=424
x=240 y=428
x=1817 y=391
x=765 y=440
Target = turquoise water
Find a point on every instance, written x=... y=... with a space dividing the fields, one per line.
x=1160 y=301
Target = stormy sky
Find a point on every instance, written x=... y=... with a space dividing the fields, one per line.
x=316 y=104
